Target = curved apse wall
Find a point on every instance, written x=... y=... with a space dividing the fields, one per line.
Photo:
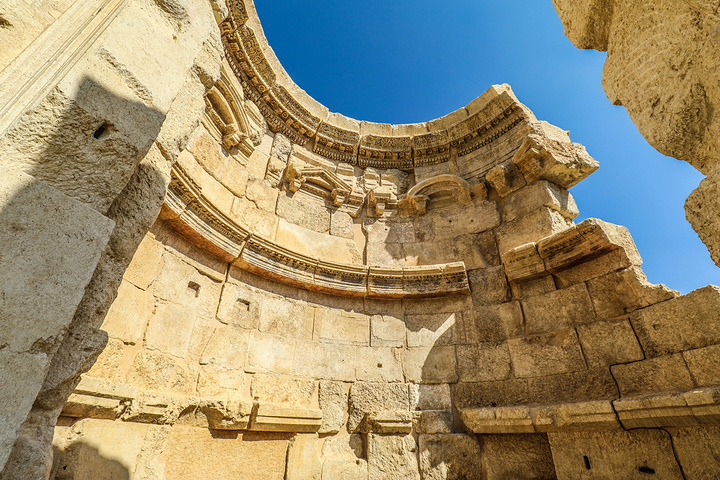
x=327 y=298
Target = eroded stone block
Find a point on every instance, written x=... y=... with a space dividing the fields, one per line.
x=548 y=354
x=450 y=457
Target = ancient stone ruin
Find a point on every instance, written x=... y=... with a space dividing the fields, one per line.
x=205 y=274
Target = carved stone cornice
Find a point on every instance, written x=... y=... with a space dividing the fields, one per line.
x=191 y=213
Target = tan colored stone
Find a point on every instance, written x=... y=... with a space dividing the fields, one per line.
x=108 y=363
x=250 y=216
x=377 y=364
x=127 y=318
x=387 y=331
x=304 y=212
x=653 y=375
x=284 y=418
x=286 y=318
x=182 y=284
x=618 y=293
x=430 y=397
x=697 y=450
x=427 y=330
x=614 y=454
x=609 y=342
x=333 y=400
x=342 y=225
x=146 y=264
x=539 y=224
x=492 y=323
x=318 y=245
x=303 y=458
x=687 y=322
x=434 y=421
x=151 y=370
x=369 y=398
x=537 y=195
x=521 y=457
x=563 y=308
x=342 y=328
x=282 y=389
x=704 y=365
x=324 y=361
x=483 y=362
x=227 y=348
x=449 y=223
x=450 y=457
x=269 y=353
x=548 y=354
x=168 y=318
x=392 y=457
x=485 y=394
x=573 y=387
x=430 y=364
x=489 y=285
x=506 y=178
x=239 y=306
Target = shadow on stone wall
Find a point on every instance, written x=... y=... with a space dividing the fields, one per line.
x=77 y=196
x=82 y=461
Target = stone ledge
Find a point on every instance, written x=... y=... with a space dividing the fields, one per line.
x=101 y=399
x=682 y=409
x=189 y=212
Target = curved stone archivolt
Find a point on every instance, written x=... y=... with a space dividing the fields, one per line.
x=323 y=298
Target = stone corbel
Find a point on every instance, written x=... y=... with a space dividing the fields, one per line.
x=413 y=206
x=378 y=198
x=294 y=176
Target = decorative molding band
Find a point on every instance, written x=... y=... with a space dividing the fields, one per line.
x=290 y=111
x=193 y=215
x=673 y=409
x=41 y=66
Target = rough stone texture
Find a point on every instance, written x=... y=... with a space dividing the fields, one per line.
x=521 y=457
x=697 y=450
x=491 y=394
x=609 y=342
x=654 y=375
x=687 y=322
x=483 y=362
x=450 y=457
x=704 y=365
x=551 y=353
x=635 y=454
x=280 y=389
x=622 y=292
x=368 y=398
x=303 y=459
x=556 y=310
x=392 y=457
x=573 y=387
x=333 y=399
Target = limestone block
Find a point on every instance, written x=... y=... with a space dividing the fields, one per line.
x=227 y=348
x=609 y=342
x=700 y=208
x=539 y=194
x=324 y=361
x=618 y=293
x=547 y=354
x=608 y=262
x=304 y=211
x=614 y=454
x=489 y=285
x=341 y=327
x=493 y=322
x=587 y=25
x=429 y=253
x=225 y=415
x=573 y=387
x=511 y=419
x=282 y=389
x=451 y=222
x=385 y=254
x=558 y=161
x=427 y=330
x=390 y=422
x=17 y=393
x=214 y=454
x=269 y=353
x=483 y=362
x=430 y=364
x=434 y=421
x=258 y=221
x=369 y=398
x=218 y=162
x=146 y=263
x=486 y=246
x=564 y=308
x=342 y=225
x=107 y=364
x=286 y=318
x=239 y=306
x=687 y=322
x=485 y=394
x=129 y=314
x=318 y=245
x=182 y=284
x=389 y=231
x=586 y=241
x=345 y=469
x=523 y=263
x=450 y=457
x=704 y=365
x=169 y=317
x=653 y=375
x=447 y=304
x=392 y=457
x=505 y=178
x=283 y=418
x=430 y=397
x=521 y=457
x=377 y=364
x=697 y=450
x=350 y=447
x=387 y=331
x=333 y=400
x=50 y=245
x=303 y=458
x=539 y=224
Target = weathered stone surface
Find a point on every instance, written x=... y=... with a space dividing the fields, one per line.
x=697 y=450
x=286 y=318
x=427 y=330
x=319 y=245
x=704 y=365
x=304 y=212
x=282 y=389
x=618 y=293
x=430 y=364
x=491 y=394
x=146 y=263
x=434 y=421
x=700 y=210
x=548 y=354
x=341 y=327
x=573 y=387
x=450 y=457
x=333 y=399
x=614 y=454
x=653 y=375
x=344 y=458
x=609 y=342
x=521 y=457
x=556 y=310
x=324 y=361
x=342 y=225
x=239 y=305
x=174 y=318
x=530 y=228
x=303 y=459
x=489 y=285
x=492 y=323
x=687 y=322
x=483 y=362
x=127 y=320
x=392 y=457
x=539 y=194
x=369 y=398
x=430 y=397
x=387 y=331
x=268 y=353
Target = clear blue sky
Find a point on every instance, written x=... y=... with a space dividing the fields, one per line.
x=405 y=61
